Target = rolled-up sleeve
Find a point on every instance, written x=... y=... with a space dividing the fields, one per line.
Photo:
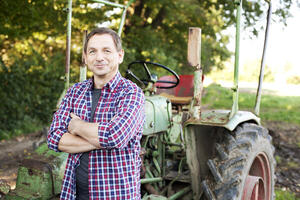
x=128 y=121
x=60 y=121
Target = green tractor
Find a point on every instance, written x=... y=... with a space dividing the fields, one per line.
x=188 y=152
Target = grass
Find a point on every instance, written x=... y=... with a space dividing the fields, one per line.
x=274 y=108
x=44 y=150
x=278 y=159
x=285 y=195
x=292 y=165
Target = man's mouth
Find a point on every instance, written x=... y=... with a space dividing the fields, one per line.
x=100 y=65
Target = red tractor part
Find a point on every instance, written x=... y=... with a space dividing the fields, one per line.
x=258 y=181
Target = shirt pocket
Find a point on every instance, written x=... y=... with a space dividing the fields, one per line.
x=82 y=109
x=105 y=111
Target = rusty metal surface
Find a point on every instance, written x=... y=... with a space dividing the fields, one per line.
x=215 y=116
x=221 y=118
x=177 y=100
x=171 y=175
x=211 y=117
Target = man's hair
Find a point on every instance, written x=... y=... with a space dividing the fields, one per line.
x=101 y=31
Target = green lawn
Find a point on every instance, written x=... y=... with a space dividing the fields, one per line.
x=275 y=108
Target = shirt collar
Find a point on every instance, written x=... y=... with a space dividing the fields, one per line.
x=112 y=84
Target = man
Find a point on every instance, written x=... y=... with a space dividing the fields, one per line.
x=99 y=123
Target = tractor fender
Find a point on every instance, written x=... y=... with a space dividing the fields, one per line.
x=220 y=118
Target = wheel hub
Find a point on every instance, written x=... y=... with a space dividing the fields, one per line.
x=258 y=181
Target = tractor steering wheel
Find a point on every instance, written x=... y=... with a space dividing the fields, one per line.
x=152 y=77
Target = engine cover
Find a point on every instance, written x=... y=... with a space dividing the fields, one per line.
x=158 y=111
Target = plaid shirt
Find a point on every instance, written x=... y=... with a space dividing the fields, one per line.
x=114 y=170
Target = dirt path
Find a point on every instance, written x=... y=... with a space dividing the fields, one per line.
x=13 y=151
x=286 y=139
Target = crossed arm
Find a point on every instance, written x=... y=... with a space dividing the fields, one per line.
x=81 y=136
x=69 y=133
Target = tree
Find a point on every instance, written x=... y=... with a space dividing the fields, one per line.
x=33 y=34
x=154 y=30
x=158 y=31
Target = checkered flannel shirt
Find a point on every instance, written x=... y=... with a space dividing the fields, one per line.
x=114 y=170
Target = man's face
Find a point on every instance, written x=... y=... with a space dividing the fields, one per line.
x=102 y=57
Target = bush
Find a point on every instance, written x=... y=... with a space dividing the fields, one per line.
x=293 y=80
x=29 y=92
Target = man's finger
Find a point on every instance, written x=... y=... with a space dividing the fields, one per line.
x=74 y=116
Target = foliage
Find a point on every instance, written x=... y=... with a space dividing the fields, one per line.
x=32 y=42
x=285 y=195
x=278 y=159
x=153 y=31
x=30 y=88
x=249 y=72
x=294 y=79
x=275 y=108
x=159 y=32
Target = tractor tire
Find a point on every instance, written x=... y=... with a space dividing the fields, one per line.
x=244 y=166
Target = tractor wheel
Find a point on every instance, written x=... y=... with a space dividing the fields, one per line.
x=244 y=166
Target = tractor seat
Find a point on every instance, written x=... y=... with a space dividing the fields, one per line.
x=177 y=100
x=182 y=94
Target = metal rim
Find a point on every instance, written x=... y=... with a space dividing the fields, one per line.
x=258 y=181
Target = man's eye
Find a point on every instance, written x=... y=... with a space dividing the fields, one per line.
x=107 y=51
x=91 y=51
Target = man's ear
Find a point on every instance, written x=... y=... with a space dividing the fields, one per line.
x=121 y=55
x=83 y=61
x=84 y=58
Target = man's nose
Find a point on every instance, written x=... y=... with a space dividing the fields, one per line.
x=99 y=56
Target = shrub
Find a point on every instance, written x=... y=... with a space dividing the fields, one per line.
x=29 y=92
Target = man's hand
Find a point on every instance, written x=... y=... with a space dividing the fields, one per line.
x=86 y=130
x=81 y=136
x=75 y=124
x=70 y=143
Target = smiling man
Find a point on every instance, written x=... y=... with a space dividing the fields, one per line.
x=99 y=123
